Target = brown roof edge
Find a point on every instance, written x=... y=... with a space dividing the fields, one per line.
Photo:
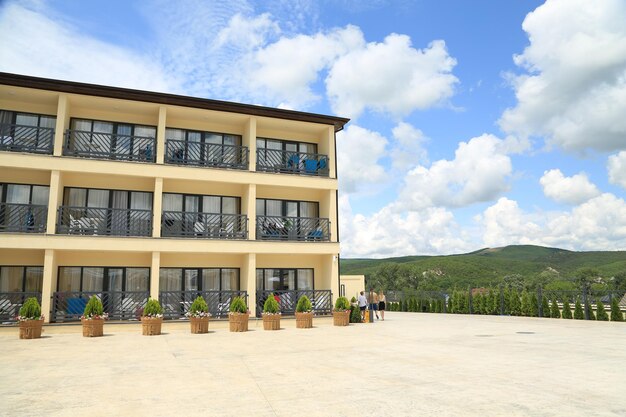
x=164 y=98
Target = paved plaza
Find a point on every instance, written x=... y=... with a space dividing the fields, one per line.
x=409 y=365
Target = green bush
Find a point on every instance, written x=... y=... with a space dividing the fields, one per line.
x=494 y=297
x=93 y=308
x=355 y=314
x=507 y=301
x=515 y=303
x=353 y=300
x=271 y=305
x=578 y=311
x=525 y=303
x=545 y=306
x=30 y=310
x=342 y=304
x=555 y=313
x=616 y=313
x=478 y=305
x=601 y=312
x=450 y=309
x=238 y=305
x=589 y=309
x=304 y=305
x=534 y=306
x=152 y=308
x=199 y=307
x=567 y=310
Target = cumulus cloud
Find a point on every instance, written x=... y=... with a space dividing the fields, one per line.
x=479 y=172
x=598 y=224
x=358 y=154
x=617 y=169
x=408 y=150
x=574 y=89
x=391 y=77
x=569 y=190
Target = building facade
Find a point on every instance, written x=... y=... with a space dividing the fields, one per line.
x=128 y=194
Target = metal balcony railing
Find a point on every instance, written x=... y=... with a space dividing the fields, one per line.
x=288 y=299
x=182 y=152
x=273 y=160
x=23 y=218
x=109 y=146
x=176 y=303
x=104 y=221
x=120 y=305
x=308 y=229
x=20 y=138
x=204 y=225
x=11 y=302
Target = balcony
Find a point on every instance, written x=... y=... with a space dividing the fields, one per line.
x=104 y=221
x=32 y=139
x=304 y=229
x=287 y=299
x=180 y=152
x=176 y=303
x=120 y=305
x=204 y=225
x=109 y=146
x=289 y=162
x=23 y=218
x=11 y=302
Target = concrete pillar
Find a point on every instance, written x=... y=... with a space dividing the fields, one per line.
x=154 y=275
x=49 y=283
x=61 y=124
x=248 y=280
x=331 y=275
x=157 y=205
x=55 y=199
x=160 y=145
x=327 y=147
x=248 y=205
x=249 y=140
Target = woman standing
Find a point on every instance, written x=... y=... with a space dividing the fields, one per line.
x=381 y=303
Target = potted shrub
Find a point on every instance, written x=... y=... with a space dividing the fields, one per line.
x=271 y=314
x=304 y=313
x=93 y=318
x=151 y=318
x=199 y=316
x=238 y=315
x=341 y=312
x=30 y=319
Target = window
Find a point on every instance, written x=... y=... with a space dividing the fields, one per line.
x=26 y=131
x=283 y=208
x=282 y=279
x=23 y=207
x=126 y=141
x=284 y=145
x=206 y=215
x=199 y=279
x=21 y=278
x=97 y=279
x=203 y=147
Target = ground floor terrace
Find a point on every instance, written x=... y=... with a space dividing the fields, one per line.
x=412 y=364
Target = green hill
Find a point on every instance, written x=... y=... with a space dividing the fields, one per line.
x=489 y=266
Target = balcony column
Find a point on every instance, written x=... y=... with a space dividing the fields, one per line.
x=160 y=145
x=249 y=207
x=249 y=140
x=63 y=116
x=330 y=268
x=157 y=205
x=49 y=284
x=248 y=280
x=327 y=147
x=154 y=275
x=54 y=200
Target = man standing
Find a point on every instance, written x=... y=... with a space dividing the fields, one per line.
x=362 y=305
x=372 y=300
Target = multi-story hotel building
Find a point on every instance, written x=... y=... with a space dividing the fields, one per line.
x=128 y=194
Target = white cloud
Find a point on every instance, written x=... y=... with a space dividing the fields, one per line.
x=408 y=150
x=569 y=190
x=358 y=154
x=247 y=33
x=574 y=90
x=391 y=77
x=479 y=172
x=598 y=224
x=617 y=169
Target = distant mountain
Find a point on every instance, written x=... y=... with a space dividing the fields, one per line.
x=484 y=266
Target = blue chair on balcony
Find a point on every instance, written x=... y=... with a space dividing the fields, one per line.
x=311 y=166
x=293 y=162
x=315 y=235
x=76 y=305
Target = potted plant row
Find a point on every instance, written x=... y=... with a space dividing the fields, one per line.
x=271 y=314
x=93 y=318
x=304 y=313
x=341 y=312
x=30 y=319
x=152 y=318
x=238 y=315
x=199 y=316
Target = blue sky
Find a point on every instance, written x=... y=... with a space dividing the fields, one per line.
x=474 y=124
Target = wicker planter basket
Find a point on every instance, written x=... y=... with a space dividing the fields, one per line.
x=304 y=320
x=151 y=326
x=93 y=327
x=238 y=322
x=30 y=329
x=199 y=325
x=341 y=318
x=271 y=321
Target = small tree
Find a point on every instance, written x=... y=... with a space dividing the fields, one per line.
x=304 y=305
x=494 y=301
x=525 y=306
x=555 y=313
x=578 y=311
x=589 y=309
x=93 y=309
x=152 y=308
x=534 y=306
x=545 y=307
x=514 y=303
x=355 y=314
x=342 y=304
x=567 y=310
x=271 y=306
x=478 y=304
x=450 y=309
x=198 y=309
x=616 y=313
x=238 y=305
x=30 y=310
x=601 y=312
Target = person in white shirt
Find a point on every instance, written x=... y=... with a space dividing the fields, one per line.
x=362 y=305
